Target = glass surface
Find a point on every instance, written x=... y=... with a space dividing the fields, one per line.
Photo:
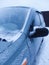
x=12 y=20
x=13 y=17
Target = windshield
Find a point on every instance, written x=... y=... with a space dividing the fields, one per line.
x=12 y=18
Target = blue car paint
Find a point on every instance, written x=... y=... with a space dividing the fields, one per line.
x=13 y=53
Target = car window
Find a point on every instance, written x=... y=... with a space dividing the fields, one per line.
x=12 y=20
x=13 y=16
x=39 y=19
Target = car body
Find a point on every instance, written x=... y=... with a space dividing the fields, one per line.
x=16 y=47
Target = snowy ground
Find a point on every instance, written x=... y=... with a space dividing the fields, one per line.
x=43 y=56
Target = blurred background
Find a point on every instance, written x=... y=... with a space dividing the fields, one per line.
x=41 y=5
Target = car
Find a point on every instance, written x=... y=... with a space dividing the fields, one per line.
x=22 y=30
